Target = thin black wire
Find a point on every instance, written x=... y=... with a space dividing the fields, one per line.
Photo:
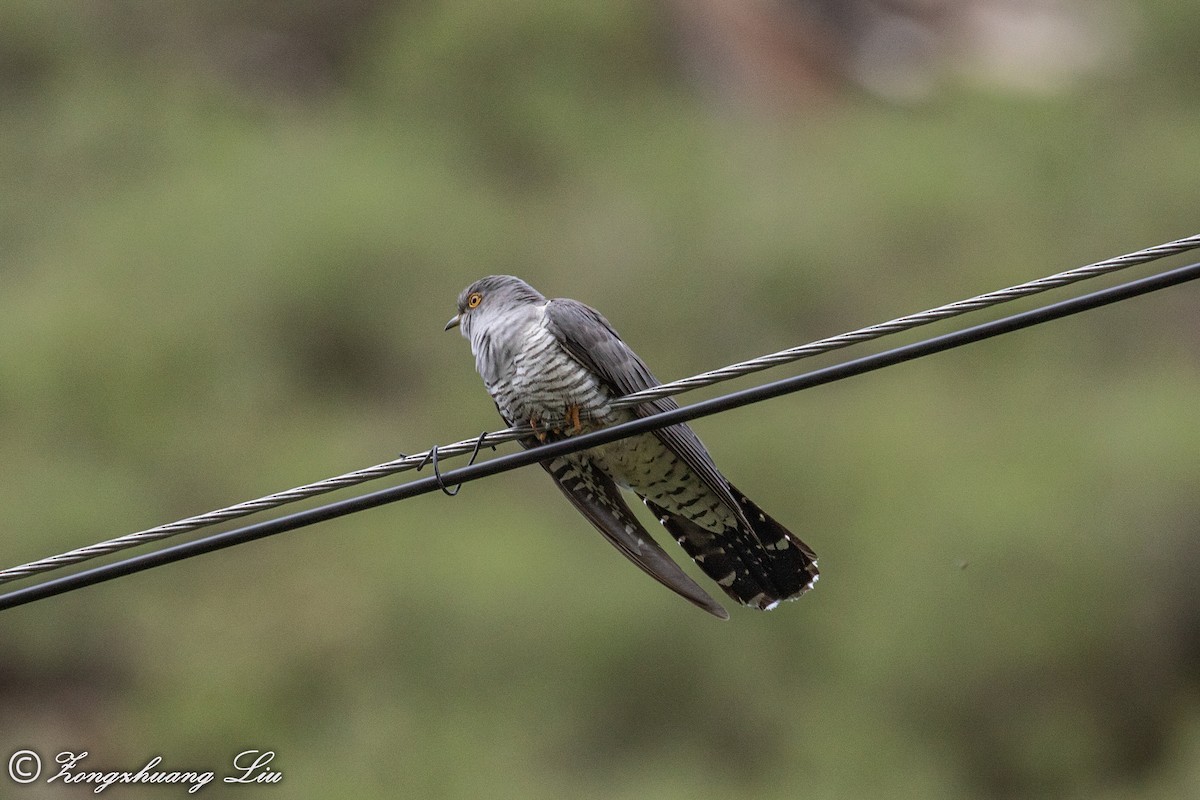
x=573 y=444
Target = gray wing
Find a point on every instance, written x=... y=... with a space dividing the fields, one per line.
x=595 y=495
x=589 y=338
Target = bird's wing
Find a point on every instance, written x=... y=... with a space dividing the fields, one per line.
x=589 y=339
x=595 y=495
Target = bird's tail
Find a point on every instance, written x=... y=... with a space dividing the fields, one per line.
x=759 y=563
x=792 y=563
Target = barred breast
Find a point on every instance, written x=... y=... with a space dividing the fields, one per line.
x=540 y=381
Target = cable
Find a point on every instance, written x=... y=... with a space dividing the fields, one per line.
x=472 y=446
x=573 y=444
x=911 y=321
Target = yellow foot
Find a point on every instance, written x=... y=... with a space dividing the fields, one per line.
x=573 y=417
x=538 y=432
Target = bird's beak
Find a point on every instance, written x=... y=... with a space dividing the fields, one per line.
x=453 y=323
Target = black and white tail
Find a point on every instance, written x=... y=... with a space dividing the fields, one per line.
x=758 y=563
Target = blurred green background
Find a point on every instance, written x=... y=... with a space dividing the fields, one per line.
x=231 y=232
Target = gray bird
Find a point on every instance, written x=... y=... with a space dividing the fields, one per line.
x=557 y=365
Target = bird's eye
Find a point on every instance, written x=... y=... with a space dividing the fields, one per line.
x=474 y=300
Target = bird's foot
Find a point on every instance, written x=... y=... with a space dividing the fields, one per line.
x=573 y=418
x=541 y=435
x=570 y=424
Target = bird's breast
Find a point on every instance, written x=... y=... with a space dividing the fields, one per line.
x=538 y=378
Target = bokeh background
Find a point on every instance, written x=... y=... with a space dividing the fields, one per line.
x=231 y=232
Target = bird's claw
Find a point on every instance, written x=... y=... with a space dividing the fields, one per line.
x=541 y=435
x=573 y=418
x=574 y=425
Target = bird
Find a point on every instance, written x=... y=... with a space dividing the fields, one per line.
x=558 y=365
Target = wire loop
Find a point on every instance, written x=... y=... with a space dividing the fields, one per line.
x=438 y=475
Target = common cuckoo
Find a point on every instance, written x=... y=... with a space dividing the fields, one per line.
x=557 y=365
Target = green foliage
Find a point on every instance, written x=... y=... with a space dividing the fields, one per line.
x=223 y=277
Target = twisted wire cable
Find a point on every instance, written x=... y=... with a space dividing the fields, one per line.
x=905 y=323
x=472 y=445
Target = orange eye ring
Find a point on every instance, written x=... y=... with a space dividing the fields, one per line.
x=474 y=300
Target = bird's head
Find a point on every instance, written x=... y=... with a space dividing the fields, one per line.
x=492 y=299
